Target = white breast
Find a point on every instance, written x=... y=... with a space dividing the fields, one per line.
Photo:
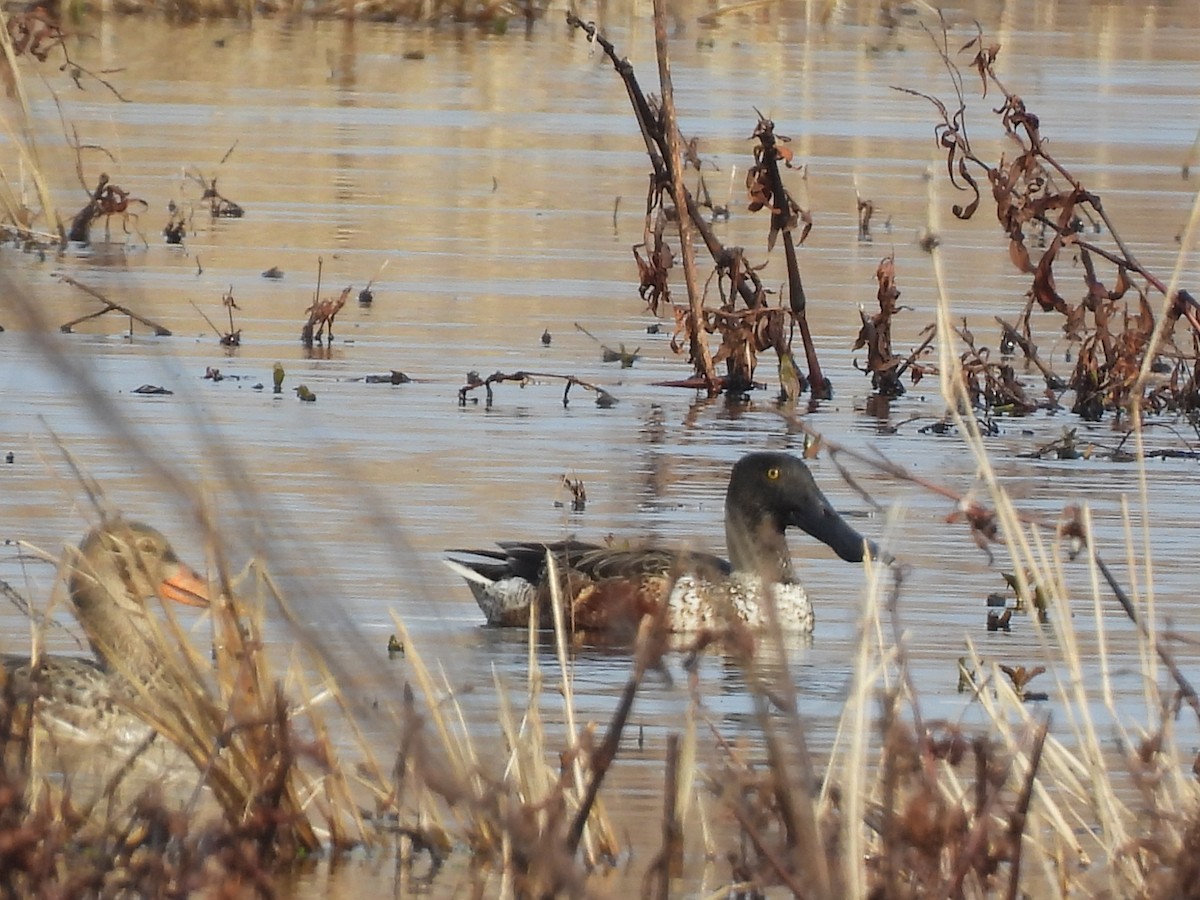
x=695 y=604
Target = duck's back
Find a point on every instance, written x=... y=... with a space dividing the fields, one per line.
x=80 y=719
x=75 y=700
x=612 y=589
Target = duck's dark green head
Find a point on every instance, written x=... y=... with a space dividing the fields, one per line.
x=768 y=492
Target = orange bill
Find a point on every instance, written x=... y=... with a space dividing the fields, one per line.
x=185 y=586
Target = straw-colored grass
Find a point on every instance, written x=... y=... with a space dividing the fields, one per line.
x=39 y=224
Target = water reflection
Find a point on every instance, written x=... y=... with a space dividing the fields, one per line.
x=487 y=172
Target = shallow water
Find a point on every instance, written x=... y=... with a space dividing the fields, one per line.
x=485 y=176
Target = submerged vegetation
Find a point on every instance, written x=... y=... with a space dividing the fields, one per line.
x=905 y=805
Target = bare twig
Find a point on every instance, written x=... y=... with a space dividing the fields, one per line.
x=603 y=397
x=109 y=306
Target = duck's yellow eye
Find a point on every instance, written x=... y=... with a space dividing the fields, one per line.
x=773 y=473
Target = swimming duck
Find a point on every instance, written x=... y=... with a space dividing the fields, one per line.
x=606 y=587
x=117 y=567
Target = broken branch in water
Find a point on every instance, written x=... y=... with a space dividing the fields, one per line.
x=608 y=354
x=743 y=282
x=219 y=207
x=697 y=345
x=738 y=351
x=919 y=371
x=603 y=398
x=233 y=337
x=1011 y=334
x=766 y=184
x=109 y=306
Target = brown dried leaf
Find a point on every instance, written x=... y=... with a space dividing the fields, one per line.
x=1019 y=254
x=969 y=210
x=1123 y=284
x=806 y=218
x=1044 y=290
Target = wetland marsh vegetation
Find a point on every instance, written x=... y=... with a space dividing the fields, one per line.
x=1018 y=417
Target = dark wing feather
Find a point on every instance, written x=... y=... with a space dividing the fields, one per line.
x=527 y=560
x=521 y=559
x=607 y=562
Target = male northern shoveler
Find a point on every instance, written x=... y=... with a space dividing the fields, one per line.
x=117 y=567
x=606 y=587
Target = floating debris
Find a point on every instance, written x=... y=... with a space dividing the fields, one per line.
x=607 y=354
x=366 y=296
x=999 y=621
x=604 y=399
x=625 y=358
x=218 y=207
x=1066 y=447
x=274 y=273
x=578 y=492
x=232 y=337
x=176 y=229
x=393 y=377
x=152 y=389
x=1020 y=677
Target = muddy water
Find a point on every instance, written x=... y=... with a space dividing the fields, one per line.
x=499 y=178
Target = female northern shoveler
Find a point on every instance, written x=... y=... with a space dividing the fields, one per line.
x=116 y=569
x=606 y=587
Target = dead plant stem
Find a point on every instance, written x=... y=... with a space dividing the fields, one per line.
x=701 y=358
x=159 y=330
x=1016 y=825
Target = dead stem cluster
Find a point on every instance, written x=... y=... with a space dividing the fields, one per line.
x=1045 y=211
x=1053 y=221
x=1123 y=348
x=744 y=331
